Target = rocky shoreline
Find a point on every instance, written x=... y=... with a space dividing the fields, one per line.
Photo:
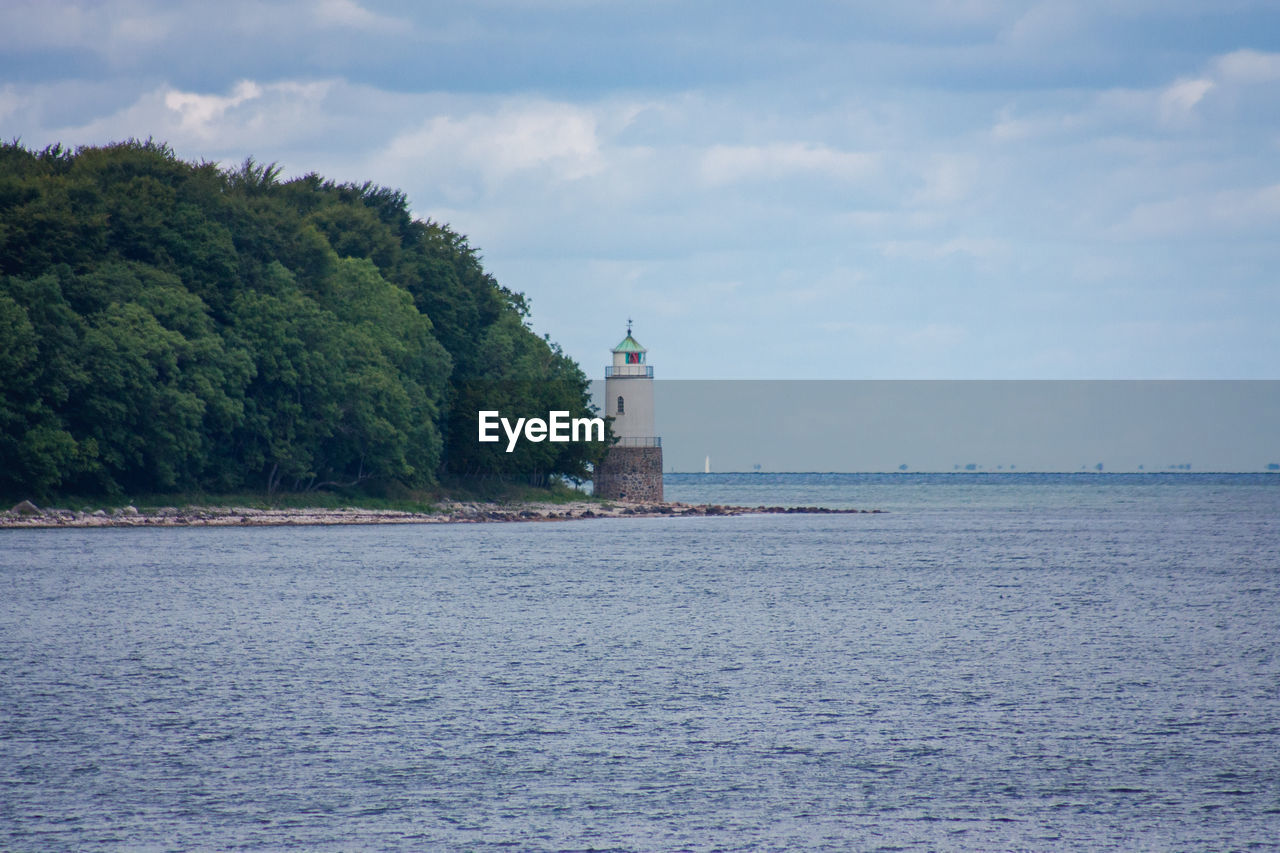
x=28 y=515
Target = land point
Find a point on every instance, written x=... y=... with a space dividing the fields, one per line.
x=28 y=515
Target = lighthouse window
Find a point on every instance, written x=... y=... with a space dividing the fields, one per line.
x=622 y=409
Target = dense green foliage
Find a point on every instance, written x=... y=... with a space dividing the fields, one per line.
x=171 y=326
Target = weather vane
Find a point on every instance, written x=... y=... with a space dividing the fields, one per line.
x=628 y=327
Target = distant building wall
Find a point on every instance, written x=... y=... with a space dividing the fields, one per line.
x=630 y=474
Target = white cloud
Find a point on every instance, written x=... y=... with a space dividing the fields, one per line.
x=143 y=28
x=201 y=125
x=113 y=31
x=723 y=164
x=1238 y=212
x=1222 y=85
x=132 y=33
x=968 y=11
x=947 y=179
x=1249 y=66
x=1055 y=118
x=1044 y=24
x=908 y=212
x=197 y=112
x=555 y=139
x=11 y=101
x=351 y=15
x=1179 y=100
x=978 y=248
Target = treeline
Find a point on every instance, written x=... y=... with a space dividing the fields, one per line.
x=175 y=326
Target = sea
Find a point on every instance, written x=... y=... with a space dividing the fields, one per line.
x=993 y=662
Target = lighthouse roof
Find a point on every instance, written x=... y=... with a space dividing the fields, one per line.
x=629 y=344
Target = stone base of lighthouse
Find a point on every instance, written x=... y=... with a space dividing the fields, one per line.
x=630 y=474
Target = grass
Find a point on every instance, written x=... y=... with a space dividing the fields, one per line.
x=396 y=498
x=498 y=491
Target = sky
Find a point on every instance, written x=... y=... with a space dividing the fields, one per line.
x=947 y=189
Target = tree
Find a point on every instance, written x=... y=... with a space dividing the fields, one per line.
x=167 y=325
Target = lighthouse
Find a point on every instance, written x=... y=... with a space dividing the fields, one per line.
x=632 y=469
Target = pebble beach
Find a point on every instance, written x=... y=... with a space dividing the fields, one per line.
x=27 y=515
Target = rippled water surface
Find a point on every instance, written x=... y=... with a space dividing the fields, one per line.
x=1025 y=663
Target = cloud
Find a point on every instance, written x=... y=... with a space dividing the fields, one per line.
x=556 y=140
x=952 y=12
x=11 y=101
x=1240 y=213
x=197 y=112
x=1179 y=99
x=723 y=164
x=1046 y=23
x=1249 y=66
x=163 y=35
x=113 y=31
x=213 y=126
x=446 y=151
x=1009 y=167
x=1010 y=127
x=979 y=248
x=947 y=179
x=347 y=14
x=1226 y=88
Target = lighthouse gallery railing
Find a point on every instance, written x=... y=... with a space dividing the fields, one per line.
x=637 y=370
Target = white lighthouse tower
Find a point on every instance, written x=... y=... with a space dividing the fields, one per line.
x=628 y=390
x=632 y=470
